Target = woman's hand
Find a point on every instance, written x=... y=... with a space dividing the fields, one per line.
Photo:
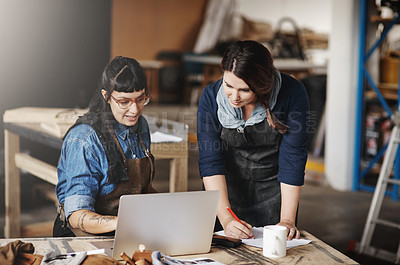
x=235 y=229
x=293 y=232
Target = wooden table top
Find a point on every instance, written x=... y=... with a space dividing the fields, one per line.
x=317 y=252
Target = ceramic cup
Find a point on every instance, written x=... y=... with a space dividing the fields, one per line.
x=274 y=241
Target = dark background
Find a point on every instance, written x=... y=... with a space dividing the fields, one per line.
x=52 y=54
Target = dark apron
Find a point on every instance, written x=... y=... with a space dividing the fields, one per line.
x=252 y=168
x=141 y=174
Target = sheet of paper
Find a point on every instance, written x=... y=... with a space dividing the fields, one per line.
x=159 y=137
x=258 y=239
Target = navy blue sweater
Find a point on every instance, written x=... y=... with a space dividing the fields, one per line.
x=292 y=108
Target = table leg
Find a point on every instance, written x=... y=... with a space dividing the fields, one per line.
x=12 y=186
x=178 y=175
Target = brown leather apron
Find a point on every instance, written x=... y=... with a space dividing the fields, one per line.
x=141 y=174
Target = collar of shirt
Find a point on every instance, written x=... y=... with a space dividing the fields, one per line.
x=123 y=131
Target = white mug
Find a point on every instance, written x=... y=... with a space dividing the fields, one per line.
x=274 y=241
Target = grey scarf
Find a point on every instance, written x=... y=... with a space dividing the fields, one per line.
x=232 y=118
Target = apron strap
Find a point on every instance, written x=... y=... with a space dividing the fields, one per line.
x=120 y=149
x=146 y=151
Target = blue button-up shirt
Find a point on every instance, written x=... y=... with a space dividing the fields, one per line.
x=82 y=167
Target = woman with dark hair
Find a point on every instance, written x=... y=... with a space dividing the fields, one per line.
x=251 y=131
x=105 y=154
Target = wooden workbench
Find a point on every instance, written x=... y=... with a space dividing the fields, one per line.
x=47 y=126
x=315 y=253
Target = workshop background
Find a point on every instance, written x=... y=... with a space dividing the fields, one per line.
x=53 y=53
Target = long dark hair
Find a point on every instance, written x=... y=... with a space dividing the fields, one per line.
x=252 y=62
x=122 y=74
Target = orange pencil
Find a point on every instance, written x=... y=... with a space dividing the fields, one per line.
x=234 y=216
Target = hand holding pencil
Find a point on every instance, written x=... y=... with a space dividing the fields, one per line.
x=237 y=219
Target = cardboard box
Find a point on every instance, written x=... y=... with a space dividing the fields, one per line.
x=389 y=68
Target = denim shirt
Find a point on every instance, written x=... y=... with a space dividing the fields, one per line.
x=82 y=167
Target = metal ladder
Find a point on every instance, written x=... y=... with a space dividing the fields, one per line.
x=377 y=199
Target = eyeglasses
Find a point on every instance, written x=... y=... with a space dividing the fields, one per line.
x=126 y=103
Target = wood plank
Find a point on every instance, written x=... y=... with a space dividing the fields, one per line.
x=141 y=29
x=36 y=133
x=61 y=245
x=178 y=177
x=43 y=229
x=391 y=95
x=153 y=64
x=37 y=167
x=12 y=185
x=38 y=115
x=317 y=252
x=170 y=150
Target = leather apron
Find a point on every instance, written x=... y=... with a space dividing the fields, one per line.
x=141 y=174
x=252 y=167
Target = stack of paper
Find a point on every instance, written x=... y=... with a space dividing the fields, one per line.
x=159 y=137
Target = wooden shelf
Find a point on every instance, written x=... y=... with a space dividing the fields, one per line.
x=388 y=90
x=389 y=86
x=380 y=19
x=376 y=169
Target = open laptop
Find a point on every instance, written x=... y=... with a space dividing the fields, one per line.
x=174 y=223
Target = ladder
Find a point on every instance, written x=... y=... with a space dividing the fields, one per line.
x=377 y=199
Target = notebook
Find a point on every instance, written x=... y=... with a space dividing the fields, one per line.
x=179 y=223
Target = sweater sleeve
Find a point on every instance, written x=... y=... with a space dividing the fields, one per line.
x=211 y=160
x=292 y=151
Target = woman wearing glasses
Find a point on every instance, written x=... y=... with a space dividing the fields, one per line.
x=105 y=154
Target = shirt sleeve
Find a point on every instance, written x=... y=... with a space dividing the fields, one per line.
x=80 y=170
x=211 y=160
x=292 y=151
